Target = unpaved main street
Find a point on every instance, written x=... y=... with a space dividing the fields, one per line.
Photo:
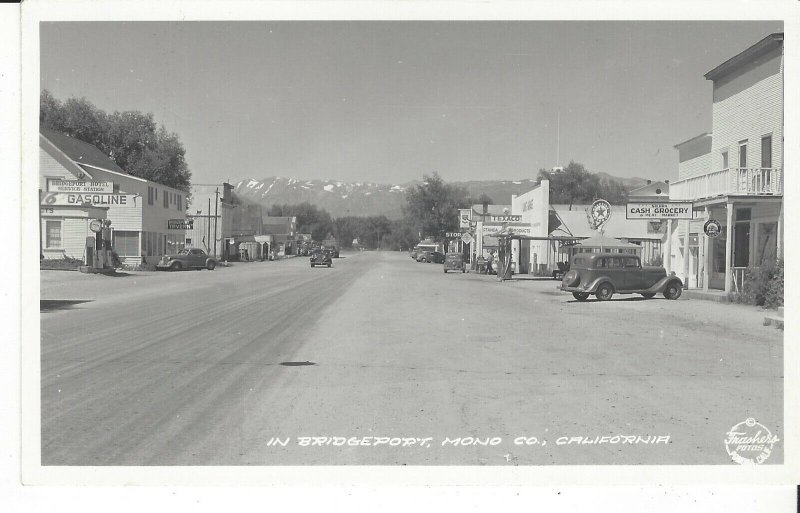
x=190 y=368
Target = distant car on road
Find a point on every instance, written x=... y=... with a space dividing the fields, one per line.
x=454 y=262
x=604 y=274
x=191 y=258
x=321 y=258
x=431 y=257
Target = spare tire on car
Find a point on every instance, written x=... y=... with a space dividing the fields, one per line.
x=571 y=278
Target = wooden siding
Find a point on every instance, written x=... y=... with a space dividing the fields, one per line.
x=697 y=166
x=748 y=115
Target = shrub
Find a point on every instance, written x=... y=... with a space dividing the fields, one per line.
x=763 y=285
x=59 y=264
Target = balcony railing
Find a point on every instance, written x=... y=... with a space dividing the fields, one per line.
x=759 y=181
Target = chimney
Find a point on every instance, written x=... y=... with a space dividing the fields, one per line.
x=649 y=182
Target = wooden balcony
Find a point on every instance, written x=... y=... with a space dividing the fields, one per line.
x=744 y=181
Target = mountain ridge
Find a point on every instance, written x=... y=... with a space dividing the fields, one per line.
x=342 y=198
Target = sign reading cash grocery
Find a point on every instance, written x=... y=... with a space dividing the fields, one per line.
x=80 y=186
x=99 y=200
x=183 y=224
x=659 y=211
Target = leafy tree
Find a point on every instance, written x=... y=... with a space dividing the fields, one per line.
x=310 y=218
x=577 y=185
x=133 y=140
x=433 y=206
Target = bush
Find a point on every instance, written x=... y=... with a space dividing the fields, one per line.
x=60 y=264
x=763 y=286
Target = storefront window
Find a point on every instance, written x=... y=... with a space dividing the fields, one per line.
x=53 y=234
x=767 y=248
x=125 y=243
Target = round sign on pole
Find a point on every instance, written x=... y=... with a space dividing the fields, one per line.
x=712 y=228
x=95 y=225
x=599 y=213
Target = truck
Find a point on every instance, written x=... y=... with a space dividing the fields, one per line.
x=332 y=246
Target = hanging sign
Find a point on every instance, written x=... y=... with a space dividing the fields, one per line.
x=712 y=228
x=659 y=211
x=467 y=238
x=180 y=224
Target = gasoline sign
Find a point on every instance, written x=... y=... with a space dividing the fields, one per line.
x=712 y=228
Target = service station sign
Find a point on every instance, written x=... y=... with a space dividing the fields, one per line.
x=659 y=211
x=80 y=186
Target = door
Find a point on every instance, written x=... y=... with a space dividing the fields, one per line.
x=632 y=273
x=716 y=269
x=741 y=244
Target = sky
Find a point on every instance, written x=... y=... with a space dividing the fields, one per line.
x=388 y=102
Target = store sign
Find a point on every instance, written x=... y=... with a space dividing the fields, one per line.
x=712 y=228
x=80 y=186
x=506 y=219
x=464 y=216
x=467 y=238
x=99 y=200
x=659 y=211
x=453 y=235
x=520 y=228
x=180 y=224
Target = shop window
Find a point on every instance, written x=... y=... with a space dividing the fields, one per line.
x=126 y=243
x=180 y=202
x=53 y=234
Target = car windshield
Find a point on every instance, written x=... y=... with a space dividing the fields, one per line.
x=184 y=252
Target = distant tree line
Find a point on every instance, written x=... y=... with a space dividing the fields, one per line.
x=310 y=218
x=132 y=139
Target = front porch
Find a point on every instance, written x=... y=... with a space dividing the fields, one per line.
x=751 y=235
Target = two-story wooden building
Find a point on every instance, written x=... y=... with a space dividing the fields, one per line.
x=147 y=218
x=734 y=174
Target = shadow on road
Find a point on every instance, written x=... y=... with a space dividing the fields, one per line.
x=620 y=300
x=51 y=305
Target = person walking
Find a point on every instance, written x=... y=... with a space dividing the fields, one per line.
x=490 y=263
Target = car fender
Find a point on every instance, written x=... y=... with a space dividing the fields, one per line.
x=661 y=284
x=596 y=282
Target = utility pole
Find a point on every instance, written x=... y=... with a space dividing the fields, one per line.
x=208 y=225
x=558 y=138
x=216 y=212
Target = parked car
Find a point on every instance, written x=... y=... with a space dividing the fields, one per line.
x=191 y=258
x=606 y=274
x=321 y=258
x=431 y=257
x=414 y=253
x=454 y=262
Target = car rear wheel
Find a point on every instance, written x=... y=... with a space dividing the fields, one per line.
x=648 y=295
x=673 y=291
x=210 y=265
x=580 y=296
x=176 y=266
x=604 y=292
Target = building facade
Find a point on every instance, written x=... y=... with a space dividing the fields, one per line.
x=147 y=218
x=734 y=175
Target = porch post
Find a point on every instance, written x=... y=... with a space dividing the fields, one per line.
x=780 y=233
x=705 y=247
x=686 y=254
x=668 y=256
x=729 y=248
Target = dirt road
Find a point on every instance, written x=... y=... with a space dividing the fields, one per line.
x=382 y=360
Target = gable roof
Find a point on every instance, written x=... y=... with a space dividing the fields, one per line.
x=80 y=152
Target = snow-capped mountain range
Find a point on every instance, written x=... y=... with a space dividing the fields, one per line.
x=367 y=198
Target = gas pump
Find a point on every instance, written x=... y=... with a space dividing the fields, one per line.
x=98 y=248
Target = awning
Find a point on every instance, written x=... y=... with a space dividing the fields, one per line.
x=605 y=242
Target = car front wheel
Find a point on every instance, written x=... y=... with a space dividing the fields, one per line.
x=580 y=296
x=210 y=265
x=176 y=266
x=673 y=291
x=604 y=292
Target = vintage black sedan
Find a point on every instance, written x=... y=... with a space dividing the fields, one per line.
x=321 y=258
x=606 y=274
x=190 y=258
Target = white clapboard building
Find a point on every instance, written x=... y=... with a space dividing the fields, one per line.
x=78 y=183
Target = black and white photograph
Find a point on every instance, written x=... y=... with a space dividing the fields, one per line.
x=477 y=244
